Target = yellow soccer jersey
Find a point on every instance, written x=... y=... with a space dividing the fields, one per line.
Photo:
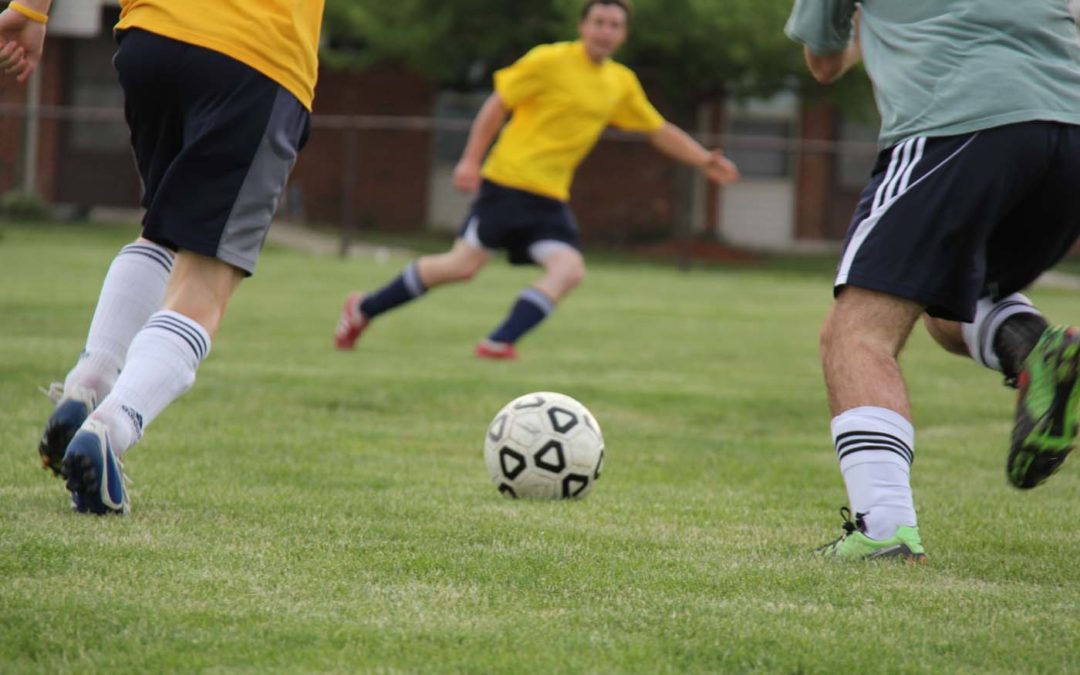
x=561 y=102
x=278 y=38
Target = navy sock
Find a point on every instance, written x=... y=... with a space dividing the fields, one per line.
x=405 y=287
x=531 y=308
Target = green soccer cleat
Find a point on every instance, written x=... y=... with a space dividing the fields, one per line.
x=1046 y=420
x=854 y=545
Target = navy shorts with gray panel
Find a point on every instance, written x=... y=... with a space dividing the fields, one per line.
x=515 y=220
x=945 y=221
x=214 y=142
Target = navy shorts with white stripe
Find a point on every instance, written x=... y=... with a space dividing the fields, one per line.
x=945 y=221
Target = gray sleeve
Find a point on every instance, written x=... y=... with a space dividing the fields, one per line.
x=822 y=25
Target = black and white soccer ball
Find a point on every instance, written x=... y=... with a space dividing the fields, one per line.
x=544 y=446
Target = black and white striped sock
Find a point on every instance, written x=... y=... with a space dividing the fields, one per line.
x=134 y=288
x=875 y=447
x=161 y=366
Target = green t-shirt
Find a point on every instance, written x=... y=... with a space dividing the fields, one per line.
x=945 y=67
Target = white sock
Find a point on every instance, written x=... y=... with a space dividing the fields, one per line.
x=989 y=315
x=876 y=448
x=134 y=288
x=160 y=367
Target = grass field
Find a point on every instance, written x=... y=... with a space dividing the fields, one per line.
x=307 y=510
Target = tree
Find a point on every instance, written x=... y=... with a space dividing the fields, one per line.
x=693 y=50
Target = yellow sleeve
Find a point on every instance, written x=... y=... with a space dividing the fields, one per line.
x=522 y=79
x=634 y=112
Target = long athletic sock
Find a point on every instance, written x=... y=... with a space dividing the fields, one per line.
x=133 y=289
x=160 y=367
x=876 y=448
x=1003 y=333
x=405 y=287
x=528 y=311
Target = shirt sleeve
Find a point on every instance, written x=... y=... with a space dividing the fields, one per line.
x=822 y=25
x=634 y=112
x=524 y=78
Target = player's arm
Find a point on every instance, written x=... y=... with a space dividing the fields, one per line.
x=828 y=68
x=677 y=144
x=22 y=37
x=484 y=128
x=829 y=33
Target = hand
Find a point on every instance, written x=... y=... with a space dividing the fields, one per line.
x=720 y=169
x=467 y=176
x=22 y=42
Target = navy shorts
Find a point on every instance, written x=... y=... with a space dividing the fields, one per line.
x=214 y=142
x=518 y=221
x=945 y=221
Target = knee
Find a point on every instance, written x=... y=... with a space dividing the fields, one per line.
x=574 y=275
x=468 y=270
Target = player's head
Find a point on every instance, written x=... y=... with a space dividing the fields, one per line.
x=603 y=27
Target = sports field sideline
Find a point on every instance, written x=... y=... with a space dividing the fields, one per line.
x=307 y=510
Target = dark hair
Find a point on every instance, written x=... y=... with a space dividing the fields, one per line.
x=625 y=5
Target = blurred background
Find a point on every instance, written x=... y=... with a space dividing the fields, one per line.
x=401 y=81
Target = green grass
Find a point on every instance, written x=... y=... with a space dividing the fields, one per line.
x=307 y=510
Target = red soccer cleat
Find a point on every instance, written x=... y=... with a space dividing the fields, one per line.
x=498 y=351
x=352 y=322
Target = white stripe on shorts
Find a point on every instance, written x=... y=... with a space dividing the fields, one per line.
x=903 y=178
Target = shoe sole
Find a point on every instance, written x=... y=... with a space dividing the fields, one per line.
x=59 y=430
x=83 y=480
x=1039 y=447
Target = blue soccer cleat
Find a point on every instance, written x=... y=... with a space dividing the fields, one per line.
x=95 y=476
x=73 y=406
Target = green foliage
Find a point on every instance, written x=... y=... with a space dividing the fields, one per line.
x=304 y=510
x=23 y=206
x=694 y=49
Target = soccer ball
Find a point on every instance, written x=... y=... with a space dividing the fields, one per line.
x=544 y=446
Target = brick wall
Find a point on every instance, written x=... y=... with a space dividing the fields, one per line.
x=384 y=184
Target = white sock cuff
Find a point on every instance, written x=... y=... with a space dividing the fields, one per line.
x=989 y=315
x=155 y=254
x=872 y=434
x=538 y=299
x=187 y=330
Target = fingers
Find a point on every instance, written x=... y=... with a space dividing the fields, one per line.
x=11 y=54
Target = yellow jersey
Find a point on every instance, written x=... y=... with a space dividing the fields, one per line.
x=561 y=101
x=278 y=38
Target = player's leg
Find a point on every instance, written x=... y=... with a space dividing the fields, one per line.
x=900 y=259
x=546 y=234
x=1041 y=231
x=871 y=425
x=1000 y=338
x=564 y=270
x=461 y=263
x=241 y=134
x=133 y=289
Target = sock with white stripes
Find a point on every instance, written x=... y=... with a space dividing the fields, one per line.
x=134 y=288
x=1003 y=333
x=161 y=365
x=528 y=311
x=876 y=448
x=405 y=287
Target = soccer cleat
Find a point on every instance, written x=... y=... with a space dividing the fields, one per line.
x=351 y=324
x=1046 y=419
x=72 y=408
x=498 y=351
x=855 y=545
x=95 y=476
